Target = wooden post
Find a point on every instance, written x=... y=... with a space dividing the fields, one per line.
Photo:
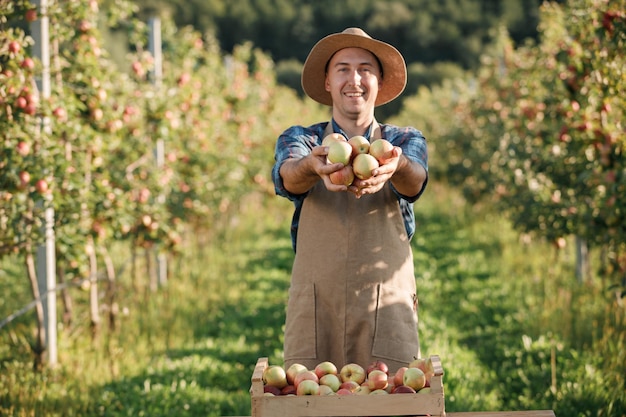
x=46 y=259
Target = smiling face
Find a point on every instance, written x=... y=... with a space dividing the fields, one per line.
x=353 y=79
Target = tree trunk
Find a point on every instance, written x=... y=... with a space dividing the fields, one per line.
x=94 y=308
x=68 y=306
x=40 y=343
x=111 y=288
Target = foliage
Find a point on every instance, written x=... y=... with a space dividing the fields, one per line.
x=539 y=132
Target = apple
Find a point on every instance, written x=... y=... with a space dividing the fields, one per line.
x=344 y=391
x=41 y=186
x=379 y=392
x=324 y=368
x=403 y=389
x=359 y=145
x=351 y=385
x=377 y=379
x=24 y=177
x=363 y=390
x=331 y=380
x=293 y=370
x=332 y=137
x=425 y=364
x=307 y=375
x=339 y=152
x=381 y=150
x=308 y=387
x=352 y=372
x=288 y=390
x=275 y=375
x=378 y=364
x=30 y=15
x=398 y=376
x=23 y=148
x=425 y=390
x=14 y=47
x=326 y=390
x=28 y=63
x=414 y=378
x=344 y=176
x=363 y=165
x=270 y=389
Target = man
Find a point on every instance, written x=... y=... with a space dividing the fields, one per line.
x=353 y=295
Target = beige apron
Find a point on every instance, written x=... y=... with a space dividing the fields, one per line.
x=353 y=295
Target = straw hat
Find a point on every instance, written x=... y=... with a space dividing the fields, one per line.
x=314 y=70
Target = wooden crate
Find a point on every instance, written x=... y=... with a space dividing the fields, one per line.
x=431 y=404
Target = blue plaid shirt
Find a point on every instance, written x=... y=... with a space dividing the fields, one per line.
x=297 y=142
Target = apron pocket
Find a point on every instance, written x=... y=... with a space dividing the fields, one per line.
x=395 y=336
x=300 y=331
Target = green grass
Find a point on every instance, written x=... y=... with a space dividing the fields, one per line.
x=512 y=326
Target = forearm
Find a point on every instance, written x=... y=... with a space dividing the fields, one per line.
x=298 y=175
x=409 y=177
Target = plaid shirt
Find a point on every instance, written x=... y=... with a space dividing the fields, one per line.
x=297 y=142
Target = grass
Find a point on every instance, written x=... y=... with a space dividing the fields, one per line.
x=512 y=326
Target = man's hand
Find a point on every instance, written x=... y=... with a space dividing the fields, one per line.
x=301 y=174
x=379 y=177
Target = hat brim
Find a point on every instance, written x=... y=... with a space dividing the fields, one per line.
x=314 y=70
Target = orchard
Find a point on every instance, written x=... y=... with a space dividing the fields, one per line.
x=88 y=150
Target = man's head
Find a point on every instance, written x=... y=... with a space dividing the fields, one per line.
x=391 y=62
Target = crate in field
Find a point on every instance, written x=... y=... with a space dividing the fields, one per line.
x=418 y=404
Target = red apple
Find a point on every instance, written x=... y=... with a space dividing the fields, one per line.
x=30 y=15
x=24 y=177
x=403 y=389
x=270 y=389
x=308 y=387
x=275 y=375
x=414 y=378
x=363 y=165
x=377 y=379
x=288 y=390
x=305 y=376
x=344 y=391
x=349 y=385
x=378 y=364
x=41 y=186
x=324 y=368
x=28 y=63
x=339 y=152
x=344 y=176
x=331 y=380
x=14 y=47
x=398 y=376
x=359 y=145
x=352 y=372
x=381 y=150
x=23 y=148
x=293 y=370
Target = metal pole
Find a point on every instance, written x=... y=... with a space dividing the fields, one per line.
x=46 y=259
x=154 y=45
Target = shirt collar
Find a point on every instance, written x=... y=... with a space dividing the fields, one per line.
x=337 y=129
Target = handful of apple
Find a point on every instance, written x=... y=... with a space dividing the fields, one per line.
x=357 y=154
x=351 y=379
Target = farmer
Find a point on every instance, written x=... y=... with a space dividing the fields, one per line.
x=353 y=295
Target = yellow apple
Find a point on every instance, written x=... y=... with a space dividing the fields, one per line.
x=363 y=165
